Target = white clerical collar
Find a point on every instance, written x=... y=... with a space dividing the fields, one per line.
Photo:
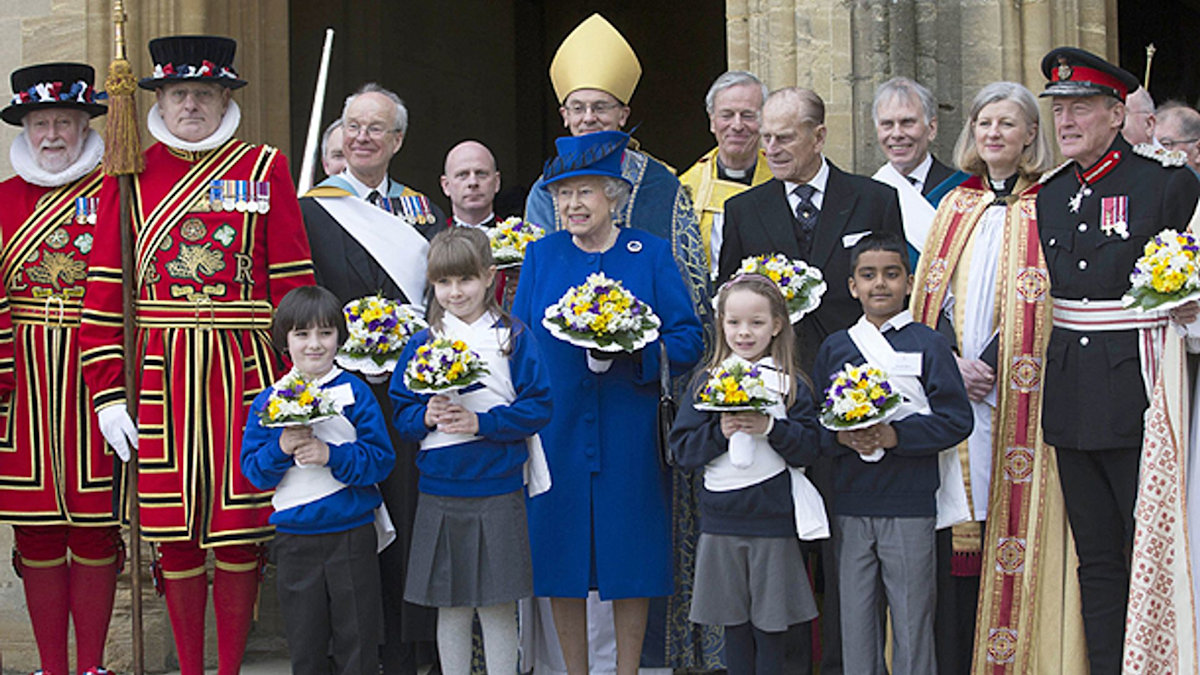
x=921 y=173
x=20 y=155
x=897 y=322
x=491 y=218
x=818 y=181
x=361 y=188
x=224 y=132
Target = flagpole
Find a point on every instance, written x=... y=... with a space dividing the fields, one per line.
x=314 y=120
x=122 y=159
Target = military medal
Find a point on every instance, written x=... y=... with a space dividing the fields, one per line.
x=406 y=208
x=93 y=209
x=215 y=200
x=81 y=210
x=426 y=211
x=242 y=189
x=252 y=202
x=1114 y=216
x=227 y=196
x=262 y=194
x=1076 y=200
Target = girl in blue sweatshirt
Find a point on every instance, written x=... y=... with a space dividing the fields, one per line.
x=325 y=499
x=470 y=542
x=756 y=502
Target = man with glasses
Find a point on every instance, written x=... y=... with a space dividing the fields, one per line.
x=1178 y=130
x=369 y=235
x=734 y=105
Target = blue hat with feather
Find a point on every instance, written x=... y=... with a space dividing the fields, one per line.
x=596 y=154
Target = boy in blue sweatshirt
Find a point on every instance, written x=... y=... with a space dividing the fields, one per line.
x=886 y=476
x=324 y=478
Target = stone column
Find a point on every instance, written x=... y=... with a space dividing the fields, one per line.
x=843 y=49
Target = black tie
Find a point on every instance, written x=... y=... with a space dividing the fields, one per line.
x=913 y=180
x=806 y=219
x=376 y=199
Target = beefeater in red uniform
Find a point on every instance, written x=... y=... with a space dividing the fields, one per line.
x=218 y=242
x=56 y=474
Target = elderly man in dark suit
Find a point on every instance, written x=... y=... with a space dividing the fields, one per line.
x=816 y=212
x=811 y=210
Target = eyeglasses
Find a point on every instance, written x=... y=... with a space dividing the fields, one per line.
x=1168 y=143
x=374 y=130
x=598 y=108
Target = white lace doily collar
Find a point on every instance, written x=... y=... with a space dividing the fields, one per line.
x=224 y=132
x=23 y=162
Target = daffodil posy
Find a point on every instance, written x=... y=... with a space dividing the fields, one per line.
x=802 y=284
x=736 y=383
x=1167 y=271
x=509 y=239
x=379 y=328
x=857 y=394
x=601 y=311
x=443 y=365
x=297 y=400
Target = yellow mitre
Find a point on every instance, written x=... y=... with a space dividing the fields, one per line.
x=595 y=56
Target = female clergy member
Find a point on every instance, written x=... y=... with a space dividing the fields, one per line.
x=983 y=269
x=605 y=524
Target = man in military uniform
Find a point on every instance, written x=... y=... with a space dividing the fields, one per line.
x=734 y=104
x=369 y=235
x=56 y=475
x=1095 y=214
x=218 y=242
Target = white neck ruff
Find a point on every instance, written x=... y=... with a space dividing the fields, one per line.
x=23 y=162
x=224 y=132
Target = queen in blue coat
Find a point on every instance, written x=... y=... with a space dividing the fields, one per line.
x=605 y=524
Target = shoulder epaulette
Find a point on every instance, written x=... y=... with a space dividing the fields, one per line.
x=1055 y=171
x=1160 y=154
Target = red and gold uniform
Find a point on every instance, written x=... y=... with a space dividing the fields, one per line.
x=207 y=282
x=207 y=285
x=55 y=468
x=56 y=473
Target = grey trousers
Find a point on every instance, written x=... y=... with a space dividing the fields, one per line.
x=330 y=596
x=902 y=553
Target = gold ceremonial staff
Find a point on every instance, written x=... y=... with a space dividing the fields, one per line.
x=123 y=159
x=1149 y=59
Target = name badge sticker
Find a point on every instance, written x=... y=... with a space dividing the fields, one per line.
x=907 y=364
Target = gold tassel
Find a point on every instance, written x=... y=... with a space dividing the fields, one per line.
x=122 y=141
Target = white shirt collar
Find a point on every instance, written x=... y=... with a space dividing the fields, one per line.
x=818 y=181
x=897 y=322
x=20 y=155
x=361 y=188
x=921 y=173
x=486 y=222
x=229 y=124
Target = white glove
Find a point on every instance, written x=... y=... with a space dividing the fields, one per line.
x=118 y=429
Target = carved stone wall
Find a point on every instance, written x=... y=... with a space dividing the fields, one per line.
x=843 y=49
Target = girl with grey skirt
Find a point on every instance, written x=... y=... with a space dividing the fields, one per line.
x=470 y=542
x=756 y=502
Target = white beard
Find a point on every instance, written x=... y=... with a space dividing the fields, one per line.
x=24 y=161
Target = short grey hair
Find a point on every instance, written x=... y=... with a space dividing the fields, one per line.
x=732 y=78
x=374 y=88
x=805 y=102
x=1036 y=158
x=334 y=125
x=909 y=89
x=1186 y=116
x=617 y=191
